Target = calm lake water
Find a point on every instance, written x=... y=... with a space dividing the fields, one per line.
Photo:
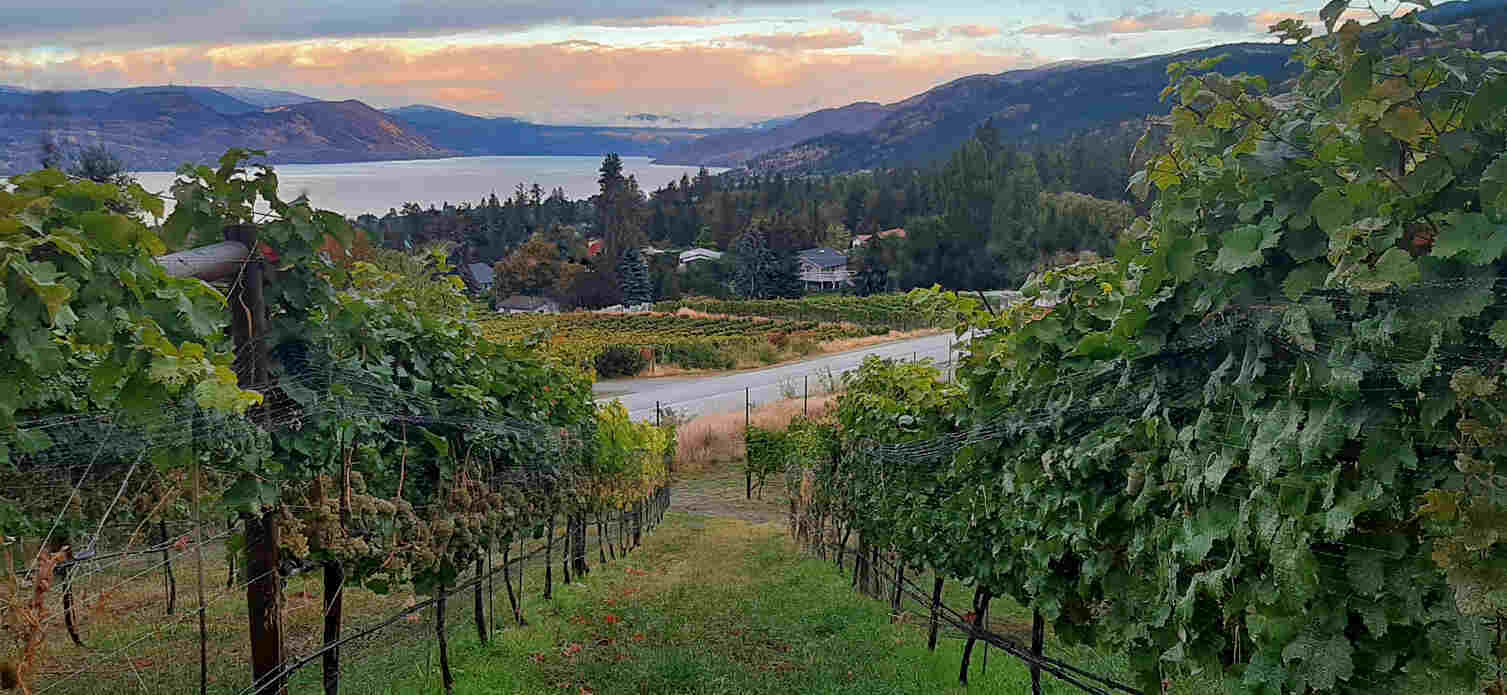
x=376 y=187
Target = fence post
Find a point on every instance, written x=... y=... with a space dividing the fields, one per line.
x=170 y=582
x=747 y=422
x=479 y=612
x=1038 y=640
x=199 y=565
x=248 y=324
x=936 y=603
x=806 y=399
x=334 y=590
x=444 y=641
x=899 y=579
x=549 y=558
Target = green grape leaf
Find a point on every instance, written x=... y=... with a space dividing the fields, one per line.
x=1306 y=277
x=1322 y=662
x=1243 y=247
x=1332 y=209
x=1356 y=84
x=1472 y=238
x=1296 y=327
x=1394 y=268
x=1374 y=615
x=1499 y=333
x=1494 y=188
x=1429 y=177
x=1487 y=103
x=1405 y=123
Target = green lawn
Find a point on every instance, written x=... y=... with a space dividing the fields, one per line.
x=714 y=605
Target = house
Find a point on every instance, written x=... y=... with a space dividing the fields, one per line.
x=481 y=277
x=693 y=255
x=824 y=269
x=863 y=239
x=520 y=304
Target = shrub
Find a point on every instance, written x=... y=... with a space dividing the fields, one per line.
x=697 y=356
x=620 y=361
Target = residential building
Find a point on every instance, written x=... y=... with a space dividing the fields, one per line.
x=520 y=304
x=480 y=278
x=864 y=239
x=824 y=269
x=692 y=255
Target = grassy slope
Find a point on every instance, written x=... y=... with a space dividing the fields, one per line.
x=714 y=605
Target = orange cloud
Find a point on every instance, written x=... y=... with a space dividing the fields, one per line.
x=566 y=82
x=869 y=17
x=809 y=41
x=974 y=31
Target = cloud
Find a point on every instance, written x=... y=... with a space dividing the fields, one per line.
x=564 y=82
x=909 y=35
x=974 y=31
x=676 y=21
x=125 y=24
x=809 y=41
x=1125 y=24
x=869 y=17
x=1224 y=22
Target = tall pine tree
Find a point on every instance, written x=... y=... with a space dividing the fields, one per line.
x=633 y=278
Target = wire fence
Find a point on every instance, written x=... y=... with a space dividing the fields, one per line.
x=171 y=617
x=884 y=576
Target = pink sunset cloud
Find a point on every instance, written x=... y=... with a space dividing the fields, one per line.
x=556 y=82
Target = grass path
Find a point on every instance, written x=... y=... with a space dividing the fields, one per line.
x=714 y=605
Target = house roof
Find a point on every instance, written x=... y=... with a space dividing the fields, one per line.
x=482 y=273
x=824 y=258
x=864 y=239
x=694 y=254
x=523 y=303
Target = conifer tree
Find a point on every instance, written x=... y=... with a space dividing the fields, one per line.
x=633 y=278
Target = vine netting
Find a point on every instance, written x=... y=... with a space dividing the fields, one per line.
x=133 y=556
x=276 y=427
x=1039 y=505
x=1258 y=450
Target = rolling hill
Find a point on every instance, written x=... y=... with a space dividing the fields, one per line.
x=1048 y=102
x=157 y=128
x=476 y=135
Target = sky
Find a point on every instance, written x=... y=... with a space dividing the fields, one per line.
x=695 y=62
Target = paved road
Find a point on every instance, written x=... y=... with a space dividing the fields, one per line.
x=709 y=395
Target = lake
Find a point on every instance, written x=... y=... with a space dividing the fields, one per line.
x=376 y=187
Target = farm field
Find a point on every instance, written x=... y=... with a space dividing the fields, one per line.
x=618 y=345
x=889 y=311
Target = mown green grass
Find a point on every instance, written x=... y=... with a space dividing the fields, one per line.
x=713 y=605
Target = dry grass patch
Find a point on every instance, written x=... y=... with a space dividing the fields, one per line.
x=714 y=441
x=846 y=344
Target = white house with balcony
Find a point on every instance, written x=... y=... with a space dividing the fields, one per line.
x=690 y=256
x=824 y=269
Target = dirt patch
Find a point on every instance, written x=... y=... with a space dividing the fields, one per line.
x=724 y=494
